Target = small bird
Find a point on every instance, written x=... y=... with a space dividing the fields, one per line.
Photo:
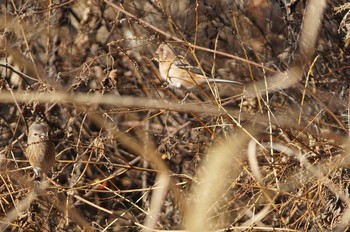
x=178 y=72
x=40 y=150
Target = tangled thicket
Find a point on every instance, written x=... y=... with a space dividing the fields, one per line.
x=212 y=157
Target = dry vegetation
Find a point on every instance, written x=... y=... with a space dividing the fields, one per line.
x=136 y=154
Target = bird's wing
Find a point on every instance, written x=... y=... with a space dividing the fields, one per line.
x=183 y=64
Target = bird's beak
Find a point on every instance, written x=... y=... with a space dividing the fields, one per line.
x=155 y=59
x=43 y=137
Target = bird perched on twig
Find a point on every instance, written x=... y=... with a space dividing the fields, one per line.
x=40 y=150
x=178 y=72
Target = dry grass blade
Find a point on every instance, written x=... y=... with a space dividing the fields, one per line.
x=15 y=212
x=157 y=201
x=309 y=33
x=222 y=163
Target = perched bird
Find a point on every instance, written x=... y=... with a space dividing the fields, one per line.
x=178 y=72
x=40 y=150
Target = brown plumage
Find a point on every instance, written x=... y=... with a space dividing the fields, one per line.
x=40 y=150
x=178 y=72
